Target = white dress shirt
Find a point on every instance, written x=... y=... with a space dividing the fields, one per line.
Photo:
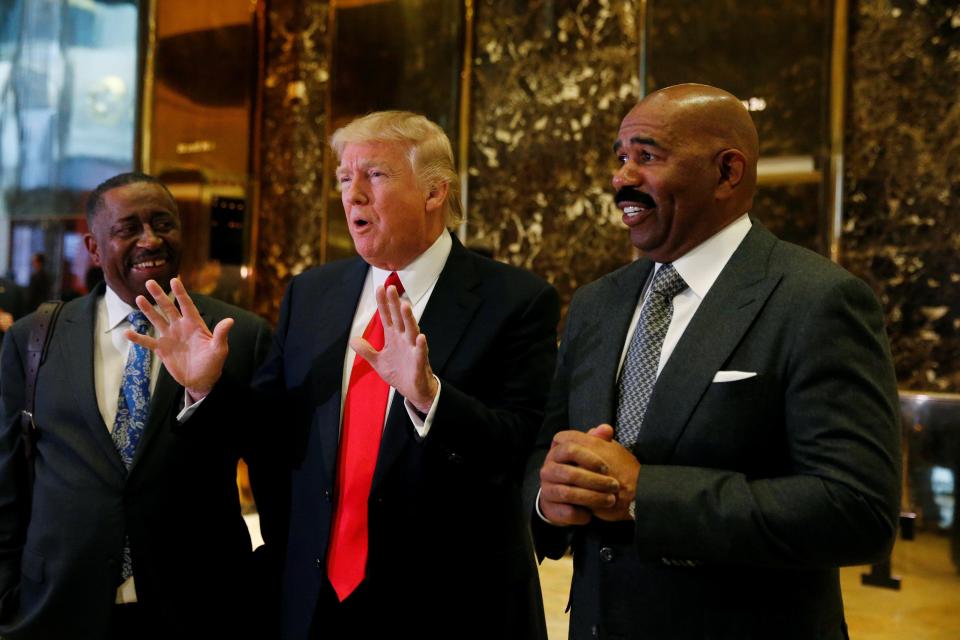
x=109 y=360
x=418 y=279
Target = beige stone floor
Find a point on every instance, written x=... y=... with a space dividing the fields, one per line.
x=927 y=607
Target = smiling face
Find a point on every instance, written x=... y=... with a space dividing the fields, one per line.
x=135 y=237
x=681 y=174
x=391 y=217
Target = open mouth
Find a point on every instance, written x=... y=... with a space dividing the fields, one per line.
x=633 y=202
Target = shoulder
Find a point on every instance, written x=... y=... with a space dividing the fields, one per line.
x=806 y=272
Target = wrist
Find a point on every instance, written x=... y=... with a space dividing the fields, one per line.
x=423 y=403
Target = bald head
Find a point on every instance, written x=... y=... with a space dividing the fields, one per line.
x=714 y=117
x=688 y=167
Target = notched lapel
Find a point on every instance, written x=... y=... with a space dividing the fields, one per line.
x=77 y=327
x=452 y=306
x=716 y=329
x=605 y=340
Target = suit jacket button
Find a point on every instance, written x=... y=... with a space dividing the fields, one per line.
x=318 y=563
x=111 y=562
x=606 y=554
x=453 y=457
x=326 y=494
x=594 y=631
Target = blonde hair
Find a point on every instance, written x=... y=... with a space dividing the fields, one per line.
x=428 y=149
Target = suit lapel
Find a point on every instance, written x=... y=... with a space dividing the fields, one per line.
x=165 y=394
x=613 y=323
x=717 y=327
x=76 y=339
x=334 y=317
x=452 y=306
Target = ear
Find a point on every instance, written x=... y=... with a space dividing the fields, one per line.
x=437 y=196
x=91 y=244
x=732 y=166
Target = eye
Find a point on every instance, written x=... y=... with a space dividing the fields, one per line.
x=622 y=158
x=376 y=173
x=645 y=156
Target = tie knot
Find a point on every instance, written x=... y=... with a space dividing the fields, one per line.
x=668 y=282
x=393 y=280
x=139 y=321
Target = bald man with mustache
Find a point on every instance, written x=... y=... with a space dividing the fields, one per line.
x=722 y=431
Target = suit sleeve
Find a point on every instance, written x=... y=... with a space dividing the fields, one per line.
x=839 y=500
x=13 y=478
x=493 y=431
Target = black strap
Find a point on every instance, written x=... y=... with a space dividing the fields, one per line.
x=40 y=333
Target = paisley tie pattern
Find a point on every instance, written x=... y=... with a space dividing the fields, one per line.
x=133 y=408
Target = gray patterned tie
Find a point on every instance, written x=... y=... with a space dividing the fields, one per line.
x=643 y=355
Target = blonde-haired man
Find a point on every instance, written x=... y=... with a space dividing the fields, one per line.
x=405 y=515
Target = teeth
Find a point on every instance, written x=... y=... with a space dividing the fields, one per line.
x=632 y=210
x=146 y=264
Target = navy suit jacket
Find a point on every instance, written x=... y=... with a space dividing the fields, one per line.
x=751 y=493
x=446 y=521
x=179 y=505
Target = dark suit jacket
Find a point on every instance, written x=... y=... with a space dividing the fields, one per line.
x=449 y=547
x=751 y=493
x=179 y=504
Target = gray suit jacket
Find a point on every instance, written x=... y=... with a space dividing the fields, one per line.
x=59 y=568
x=751 y=493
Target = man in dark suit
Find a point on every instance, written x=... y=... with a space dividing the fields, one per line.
x=754 y=440
x=405 y=511
x=134 y=529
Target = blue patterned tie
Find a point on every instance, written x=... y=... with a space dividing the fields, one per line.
x=643 y=355
x=133 y=408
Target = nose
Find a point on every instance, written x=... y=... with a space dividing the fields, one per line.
x=355 y=193
x=627 y=174
x=148 y=238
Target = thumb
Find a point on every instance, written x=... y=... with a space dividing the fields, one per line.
x=364 y=349
x=603 y=431
x=220 y=332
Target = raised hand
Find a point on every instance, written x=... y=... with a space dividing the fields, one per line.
x=402 y=362
x=191 y=353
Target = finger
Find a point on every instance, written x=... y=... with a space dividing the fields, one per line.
x=364 y=349
x=423 y=353
x=167 y=308
x=603 y=431
x=577 y=496
x=156 y=319
x=382 y=307
x=564 y=514
x=220 y=332
x=187 y=308
x=409 y=322
x=143 y=340
x=578 y=477
x=576 y=454
x=393 y=303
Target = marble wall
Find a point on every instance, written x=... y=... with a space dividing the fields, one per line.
x=901 y=229
x=291 y=225
x=551 y=80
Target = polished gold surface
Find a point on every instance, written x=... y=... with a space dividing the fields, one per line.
x=925 y=608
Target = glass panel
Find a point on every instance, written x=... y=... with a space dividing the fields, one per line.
x=395 y=54
x=199 y=105
x=67 y=114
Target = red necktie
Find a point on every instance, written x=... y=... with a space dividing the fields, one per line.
x=363 y=414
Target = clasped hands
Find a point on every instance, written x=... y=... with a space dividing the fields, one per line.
x=587 y=475
x=194 y=355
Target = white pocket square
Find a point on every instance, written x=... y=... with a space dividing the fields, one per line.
x=733 y=376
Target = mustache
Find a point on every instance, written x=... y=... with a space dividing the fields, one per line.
x=632 y=194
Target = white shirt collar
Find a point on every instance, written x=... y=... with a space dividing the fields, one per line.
x=701 y=266
x=420 y=275
x=117 y=310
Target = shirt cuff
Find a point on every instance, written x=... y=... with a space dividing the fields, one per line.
x=536 y=505
x=188 y=409
x=421 y=422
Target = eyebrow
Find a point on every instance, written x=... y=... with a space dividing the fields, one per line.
x=636 y=140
